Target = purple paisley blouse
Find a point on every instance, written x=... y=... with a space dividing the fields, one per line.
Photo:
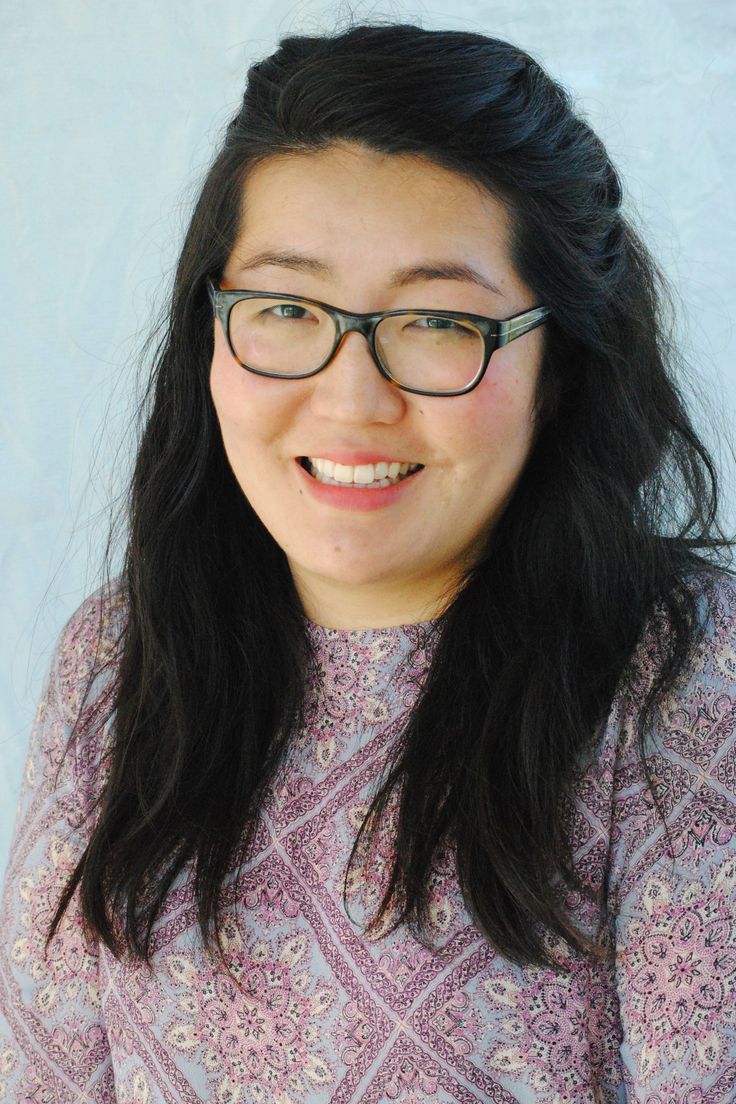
x=314 y=1011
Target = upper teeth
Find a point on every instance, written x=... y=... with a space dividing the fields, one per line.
x=360 y=473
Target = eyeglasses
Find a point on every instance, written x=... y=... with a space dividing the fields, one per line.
x=426 y=352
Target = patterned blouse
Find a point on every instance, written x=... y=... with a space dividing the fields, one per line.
x=313 y=1010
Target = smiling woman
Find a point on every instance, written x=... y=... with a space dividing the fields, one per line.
x=398 y=762
x=364 y=556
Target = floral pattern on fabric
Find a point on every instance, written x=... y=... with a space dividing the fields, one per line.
x=690 y=954
x=306 y=1008
x=258 y=1027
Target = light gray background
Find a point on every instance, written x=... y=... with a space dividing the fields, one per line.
x=109 y=117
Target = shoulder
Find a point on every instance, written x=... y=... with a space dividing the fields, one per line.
x=82 y=681
x=689 y=745
x=706 y=682
x=695 y=722
x=670 y=891
x=705 y=673
x=70 y=729
x=86 y=670
x=715 y=655
x=84 y=661
x=712 y=654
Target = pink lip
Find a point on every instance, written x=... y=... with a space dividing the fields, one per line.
x=354 y=498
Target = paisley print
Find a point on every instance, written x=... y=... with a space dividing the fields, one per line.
x=304 y=1006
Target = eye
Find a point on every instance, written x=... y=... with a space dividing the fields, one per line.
x=443 y=329
x=292 y=311
x=436 y=323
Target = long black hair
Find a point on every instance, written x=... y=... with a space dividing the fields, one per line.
x=612 y=521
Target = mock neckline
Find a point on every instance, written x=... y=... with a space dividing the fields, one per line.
x=366 y=678
x=411 y=628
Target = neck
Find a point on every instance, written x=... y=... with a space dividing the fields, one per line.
x=347 y=606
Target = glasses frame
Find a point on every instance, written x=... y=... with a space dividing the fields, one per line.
x=495 y=332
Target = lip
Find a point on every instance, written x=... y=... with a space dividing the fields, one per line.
x=354 y=498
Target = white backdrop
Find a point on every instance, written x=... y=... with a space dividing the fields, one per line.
x=109 y=117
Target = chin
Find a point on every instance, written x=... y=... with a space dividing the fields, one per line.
x=340 y=568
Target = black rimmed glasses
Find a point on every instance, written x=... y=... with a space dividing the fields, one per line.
x=426 y=352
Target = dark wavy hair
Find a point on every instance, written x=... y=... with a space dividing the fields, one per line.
x=613 y=518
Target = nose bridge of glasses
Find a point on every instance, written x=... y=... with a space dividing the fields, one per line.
x=346 y=323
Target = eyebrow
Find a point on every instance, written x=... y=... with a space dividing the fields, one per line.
x=400 y=277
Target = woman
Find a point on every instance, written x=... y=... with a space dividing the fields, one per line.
x=398 y=763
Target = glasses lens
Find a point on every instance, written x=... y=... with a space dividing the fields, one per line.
x=281 y=336
x=291 y=338
x=430 y=353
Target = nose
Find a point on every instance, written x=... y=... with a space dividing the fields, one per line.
x=351 y=389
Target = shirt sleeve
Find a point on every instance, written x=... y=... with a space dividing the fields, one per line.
x=674 y=926
x=53 y=1043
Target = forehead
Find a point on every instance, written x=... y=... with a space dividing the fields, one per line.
x=362 y=214
x=363 y=168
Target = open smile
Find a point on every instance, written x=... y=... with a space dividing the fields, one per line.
x=363 y=476
x=371 y=490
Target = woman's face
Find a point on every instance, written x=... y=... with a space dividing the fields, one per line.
x=364 y=557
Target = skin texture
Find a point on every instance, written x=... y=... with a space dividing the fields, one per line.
x=365 y=214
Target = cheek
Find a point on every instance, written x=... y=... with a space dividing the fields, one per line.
x=225 y=381
x=243 y=402
x=495 y=423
